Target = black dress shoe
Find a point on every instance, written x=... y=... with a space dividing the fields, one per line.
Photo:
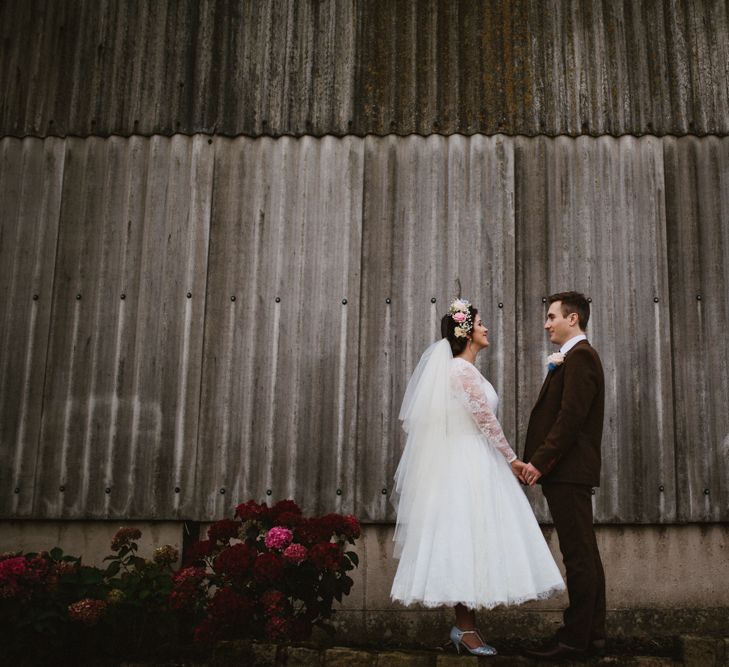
x=557 y=652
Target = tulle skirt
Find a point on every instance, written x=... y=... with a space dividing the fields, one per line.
x=472 y=537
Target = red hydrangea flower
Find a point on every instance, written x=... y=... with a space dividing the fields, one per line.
x=268 y=568
x=278 y=538
x=252 y=510
x=231 y=608
x=311 y=531
x=326 y=556
x=198 y=551
x=276 y=628
x=273 y=601
x=87 y=611
x=295 y=553
x=186 y=586
x=288 y=519
x=285 y=507
x=223 y=530
x=12 y=576
x=352 y=528
x=235 y=561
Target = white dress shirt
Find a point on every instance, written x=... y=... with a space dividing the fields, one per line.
x=571 y=343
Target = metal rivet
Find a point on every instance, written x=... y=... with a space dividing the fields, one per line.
x=706 y=492
x=656 y=299
x=278 y=299
x=222 y=492
x=61 y=488
x=589 y=299
x=432 y=300
x=544 y=299
x=339 y=492
x=177 y=489
x=268 y=492
x=388 y=300
x=384 y=492
x=16 y=489
x=35 y=297
x=122 y=296
x=501 y=305
x=78 y=297
x=698 y=297
x=344 y=302
x=210 y=141
x=661 y=488
x=593 y=492
x=107 y=489
x=189 y=295
x=232 y=298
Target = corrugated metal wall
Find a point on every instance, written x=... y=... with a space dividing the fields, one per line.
x=190 y=319
x=220 y=318
x=272 y=67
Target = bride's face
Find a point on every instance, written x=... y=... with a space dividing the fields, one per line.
x=479 y=335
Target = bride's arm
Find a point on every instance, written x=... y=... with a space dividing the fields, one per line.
x=468 y=388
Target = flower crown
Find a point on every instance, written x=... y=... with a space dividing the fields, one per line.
x=461 y=314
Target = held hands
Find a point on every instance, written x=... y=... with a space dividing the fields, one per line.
x=526 y=472
x=516 y=467
x=529 y=474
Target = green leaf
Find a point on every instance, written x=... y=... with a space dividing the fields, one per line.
x=56 y=553
x=353 y=557
x=113 y=569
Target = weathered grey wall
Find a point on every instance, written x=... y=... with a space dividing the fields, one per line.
x=190 y=345
x=273 y=67
x=196 y=309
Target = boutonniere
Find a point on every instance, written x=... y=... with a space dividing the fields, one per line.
x=554 y=360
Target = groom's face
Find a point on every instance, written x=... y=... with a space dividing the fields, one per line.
x=560 y=328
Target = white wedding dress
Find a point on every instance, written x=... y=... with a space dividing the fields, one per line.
x=465 y=531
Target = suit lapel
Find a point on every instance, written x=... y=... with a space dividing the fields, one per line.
x=544 y=387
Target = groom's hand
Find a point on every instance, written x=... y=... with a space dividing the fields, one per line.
x=529 y=474
x=517 y=467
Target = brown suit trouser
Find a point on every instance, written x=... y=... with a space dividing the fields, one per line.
x=571 y=508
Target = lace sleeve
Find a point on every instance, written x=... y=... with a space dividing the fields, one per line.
x=467 y=386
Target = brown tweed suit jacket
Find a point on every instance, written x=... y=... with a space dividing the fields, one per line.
x=565 y=427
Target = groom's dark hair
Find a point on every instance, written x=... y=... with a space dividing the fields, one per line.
x=573 y=302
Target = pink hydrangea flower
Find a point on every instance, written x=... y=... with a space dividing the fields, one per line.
x=459 y=317
x=295 y=553
x=278 y=538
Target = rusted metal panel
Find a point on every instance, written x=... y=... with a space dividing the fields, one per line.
x=697 y=214
x=121 y=397
x=591 y=217
x=31 y=172
x=310 y=67
x=279 y=393
x=438 y=219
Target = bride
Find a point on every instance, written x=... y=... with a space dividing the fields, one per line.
x=465 y=533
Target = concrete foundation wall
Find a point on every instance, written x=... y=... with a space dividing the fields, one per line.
x=661 y=580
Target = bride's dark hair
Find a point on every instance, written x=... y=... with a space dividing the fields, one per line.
x=447 y=330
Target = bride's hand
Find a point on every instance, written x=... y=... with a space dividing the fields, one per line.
x=516 y=467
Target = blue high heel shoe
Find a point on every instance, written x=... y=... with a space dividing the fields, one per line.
x=457 y=639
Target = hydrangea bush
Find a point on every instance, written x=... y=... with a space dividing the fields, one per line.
x=270 y=573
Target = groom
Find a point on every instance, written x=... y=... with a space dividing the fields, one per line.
x=563 y=454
